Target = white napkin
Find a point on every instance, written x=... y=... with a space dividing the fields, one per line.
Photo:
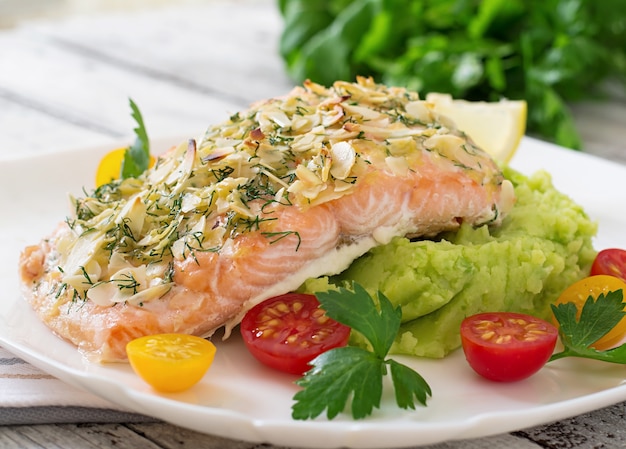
x=31 y=396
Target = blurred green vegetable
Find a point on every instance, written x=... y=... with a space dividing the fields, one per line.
x=548 y=52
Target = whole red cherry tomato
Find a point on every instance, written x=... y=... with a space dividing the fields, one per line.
x=288 y=331
x=507 y=347
x=610 y=261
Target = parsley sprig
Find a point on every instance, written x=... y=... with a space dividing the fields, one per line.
x=597 y=318
x=547 y=52
x=137 y=156
x=355 y=373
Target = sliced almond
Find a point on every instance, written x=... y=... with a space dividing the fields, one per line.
x=343 y=158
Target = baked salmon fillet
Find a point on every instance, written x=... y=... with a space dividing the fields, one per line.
x=293 y=188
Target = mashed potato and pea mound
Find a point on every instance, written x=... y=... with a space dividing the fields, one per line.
x=543 y=245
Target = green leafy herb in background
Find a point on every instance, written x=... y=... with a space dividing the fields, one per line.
x=137 y=156
x=548 y=52
x=356 y=374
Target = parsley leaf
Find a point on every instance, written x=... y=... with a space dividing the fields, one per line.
x=353 y=373
x=357 y=310
x=597 y=318
x=335 y=376
x=408 y=384
x=137 y=156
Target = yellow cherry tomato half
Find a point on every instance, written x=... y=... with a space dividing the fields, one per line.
x=170 y=362
x=110 y=166
x=593 y=286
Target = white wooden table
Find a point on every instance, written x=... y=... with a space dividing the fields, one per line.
x=65 y=84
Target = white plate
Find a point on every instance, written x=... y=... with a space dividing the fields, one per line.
x=240 y=399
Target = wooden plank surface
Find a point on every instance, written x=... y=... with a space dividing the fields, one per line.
x=66 y=85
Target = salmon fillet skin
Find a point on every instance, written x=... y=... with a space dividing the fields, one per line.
x=293 y=188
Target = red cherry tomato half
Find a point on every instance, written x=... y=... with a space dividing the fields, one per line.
x=288 y=331
x=610 y=261
x=507 y=347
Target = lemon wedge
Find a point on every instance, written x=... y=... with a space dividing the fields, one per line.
x=496 y=127
x=110 y=166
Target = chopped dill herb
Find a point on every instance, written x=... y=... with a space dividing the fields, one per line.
x=127 y=281
x=222 y=173
x=86 y=275
x=277 y=236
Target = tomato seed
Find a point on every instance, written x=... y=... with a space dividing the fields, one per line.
x=274 y=322
x=488 y=335
x=297 y=306
x=503 y=339
x=321 y=334
x=292 y=339
x=322 y=319
x=484 y=324
x=519 y=321
x=282 y=307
